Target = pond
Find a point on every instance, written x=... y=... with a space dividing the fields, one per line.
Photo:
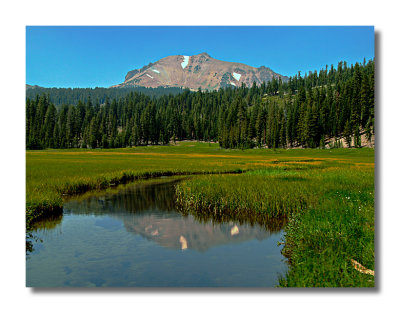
x=135 y=237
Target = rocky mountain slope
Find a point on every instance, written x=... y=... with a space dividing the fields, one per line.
x=197 y=71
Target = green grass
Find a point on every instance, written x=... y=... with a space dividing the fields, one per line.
x=52 y=175
x=329 y=205
x=324 y=198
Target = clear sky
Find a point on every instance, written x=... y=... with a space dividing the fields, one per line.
x=94 y=56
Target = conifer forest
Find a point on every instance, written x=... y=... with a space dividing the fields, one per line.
x=304 y=112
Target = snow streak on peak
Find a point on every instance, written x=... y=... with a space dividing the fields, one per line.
x=232 y=83
x=185 y=61
x=237 y=76
x=149 y=75
x=154 y=70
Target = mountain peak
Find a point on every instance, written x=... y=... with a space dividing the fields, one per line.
x=205 y=54
x=195 y=71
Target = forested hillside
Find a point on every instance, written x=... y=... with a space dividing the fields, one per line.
x=302 y=112
x=59 y=96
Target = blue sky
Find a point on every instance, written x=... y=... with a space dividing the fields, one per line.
x=74 y=56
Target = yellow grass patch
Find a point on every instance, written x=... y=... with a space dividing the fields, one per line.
x=365 y=164
x=305 y=163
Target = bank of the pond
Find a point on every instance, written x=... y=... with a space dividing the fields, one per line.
x=52 y=204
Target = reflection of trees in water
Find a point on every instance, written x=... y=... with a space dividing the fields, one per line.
x=47 y=223
x=151 y=211
x=135 y=199
x=30 y=240
x=161 y=197
x=268 y=223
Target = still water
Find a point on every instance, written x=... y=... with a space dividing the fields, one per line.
x=135 y=237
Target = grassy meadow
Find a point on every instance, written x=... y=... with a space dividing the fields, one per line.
x=323 y=198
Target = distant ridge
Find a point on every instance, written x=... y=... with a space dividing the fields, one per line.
x=31 y=86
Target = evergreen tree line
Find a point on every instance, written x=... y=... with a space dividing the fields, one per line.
x=59 y=96
x=302 y=112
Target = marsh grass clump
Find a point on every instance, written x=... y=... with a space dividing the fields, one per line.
x=243 y=196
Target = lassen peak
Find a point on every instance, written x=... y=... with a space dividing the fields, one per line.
x=197 y=71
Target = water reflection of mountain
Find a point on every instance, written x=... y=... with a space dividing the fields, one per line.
x=179 y=232
x=149 y=211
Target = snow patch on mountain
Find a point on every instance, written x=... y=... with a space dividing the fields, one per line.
x=185 y=61
x=154 y=70
x=149 y=75
x=232 y=84
x=237 y=76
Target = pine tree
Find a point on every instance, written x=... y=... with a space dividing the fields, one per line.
x=347 y=133
x=49 y=124
x=93 y=133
